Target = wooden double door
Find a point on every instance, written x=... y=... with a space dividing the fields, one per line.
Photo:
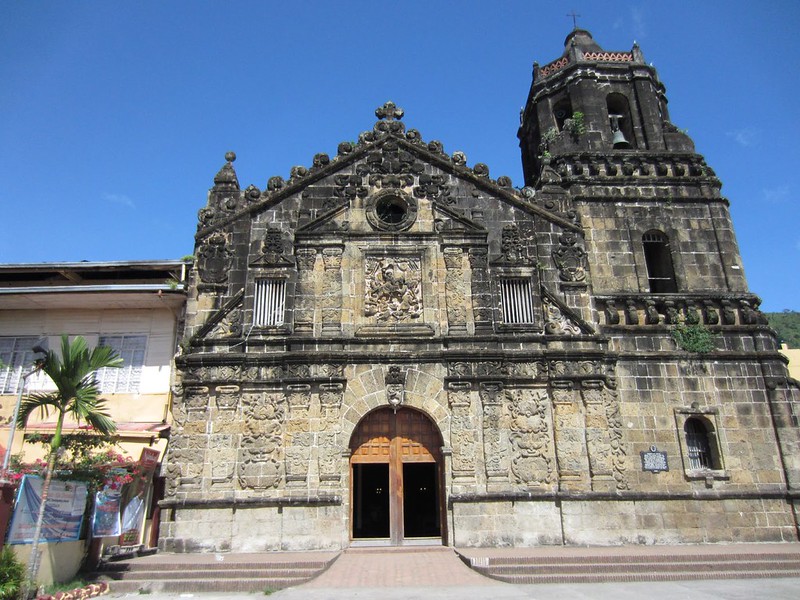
x=396 y=477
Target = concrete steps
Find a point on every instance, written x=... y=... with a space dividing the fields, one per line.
x=214 y=572
x=651 y=564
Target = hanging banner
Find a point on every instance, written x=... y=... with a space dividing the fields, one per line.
x=135 y=498
x=63 y=513
x=105 y=518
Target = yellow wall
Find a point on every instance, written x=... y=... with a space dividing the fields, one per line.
x=59 y=563
x=793 y=354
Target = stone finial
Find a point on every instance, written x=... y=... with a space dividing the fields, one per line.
x=226 y=177
x=389 y=112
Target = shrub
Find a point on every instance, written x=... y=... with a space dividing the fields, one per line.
x=12 y=574
x=693 y=338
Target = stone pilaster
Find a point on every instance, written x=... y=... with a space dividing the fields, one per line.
x=463 y=434
x=597 y=440
x=495 y=451
x=570 y=437
x=299 y=437
x=481 y=294
x=305 y=293
x=329 y=447
x=455 y=291
x=332 y=291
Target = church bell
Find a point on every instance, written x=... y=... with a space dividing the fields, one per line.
x=618 y=141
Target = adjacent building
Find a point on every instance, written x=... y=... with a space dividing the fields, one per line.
x=134 y=307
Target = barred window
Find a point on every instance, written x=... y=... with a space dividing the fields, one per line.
x=698 y=446
x=16 y=359
x=125 y=379
x=658 y=258
x=516 y=301
x=270 y=302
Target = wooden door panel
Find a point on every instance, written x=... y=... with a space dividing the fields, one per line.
x=395 y=439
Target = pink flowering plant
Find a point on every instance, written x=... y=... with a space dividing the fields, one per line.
x=88 y=456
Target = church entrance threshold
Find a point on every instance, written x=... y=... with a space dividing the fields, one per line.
x=396 y=479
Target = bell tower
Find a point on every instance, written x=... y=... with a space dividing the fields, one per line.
x=591 y=99
x=596 y=129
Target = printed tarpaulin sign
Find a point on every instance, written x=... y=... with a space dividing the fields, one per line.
x=135 y=497
x=105 y=518
x=63 y=513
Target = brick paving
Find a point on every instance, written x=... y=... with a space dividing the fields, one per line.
x=398 y=567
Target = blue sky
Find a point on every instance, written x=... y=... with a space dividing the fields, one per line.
x=117 y=115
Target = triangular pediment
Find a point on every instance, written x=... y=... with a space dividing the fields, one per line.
x=388 y=158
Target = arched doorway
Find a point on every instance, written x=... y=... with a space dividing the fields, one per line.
x=396 y=473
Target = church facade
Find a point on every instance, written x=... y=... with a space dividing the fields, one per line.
x=393 y=347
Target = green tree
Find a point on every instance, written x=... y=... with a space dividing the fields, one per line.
x=73 y=372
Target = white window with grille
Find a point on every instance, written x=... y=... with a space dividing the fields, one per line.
x=516 y=300
x=16 y=359
x=270 y=302
x=124 y=379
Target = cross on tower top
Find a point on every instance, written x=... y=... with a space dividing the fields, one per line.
x=574 y=16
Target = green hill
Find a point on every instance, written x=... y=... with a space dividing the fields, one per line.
x=787 y=324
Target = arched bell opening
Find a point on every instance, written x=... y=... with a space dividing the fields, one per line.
x=396 y=484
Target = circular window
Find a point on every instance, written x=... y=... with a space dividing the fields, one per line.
x=391 y=211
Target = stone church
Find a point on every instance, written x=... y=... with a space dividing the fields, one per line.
x=393 y=347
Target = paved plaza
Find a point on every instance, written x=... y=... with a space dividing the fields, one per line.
x=437 y=574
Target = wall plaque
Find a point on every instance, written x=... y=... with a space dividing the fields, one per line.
x=654 y=461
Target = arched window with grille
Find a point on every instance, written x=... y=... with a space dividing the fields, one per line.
x=658 y=259
x=699 y=444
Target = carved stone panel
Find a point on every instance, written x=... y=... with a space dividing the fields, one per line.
x=393 y=289
x=214 y=259
x=455 y=290
x=481 y=293
x=604 y=436
x=305 y=291
x=260 y=457
x=532 y=454
x=495 y=451
x=463 y=434
x=332 y=290
x=570 y=438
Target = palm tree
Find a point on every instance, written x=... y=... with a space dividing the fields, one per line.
x=77 y=395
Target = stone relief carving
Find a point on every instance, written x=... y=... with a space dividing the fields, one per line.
x=532 y=456
x=495 y=452
x=615 y=429
x=604 y=442
x=393 y=291
x=229 y=326
x=390 y=167
x=214 y=259
x=260 y=458
x=227 y=397
x=512 y=249
x=455 y=290
x=328 y=446
x=570 y=258
x=332 y=290
x=395 y=386
x=556 y=322
x=463 y=436
x=272 y=247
